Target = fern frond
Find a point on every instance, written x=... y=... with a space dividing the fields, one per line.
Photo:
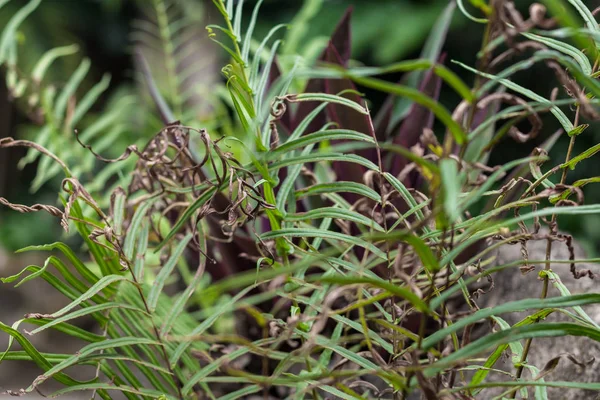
x=181 y=64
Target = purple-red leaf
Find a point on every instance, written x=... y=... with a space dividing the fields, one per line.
x=341 y=39
x=418 y=119
x=337 y=52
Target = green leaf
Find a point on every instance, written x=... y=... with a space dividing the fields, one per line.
x=187 y=214
x=87 y=350
x=66 y=250
x=334 y=213
x=316 y=137
x=311 y=233
x=215 y=314
x=586 y=14
x=564 y=291
x=319 y=156
x=134 y=229
x=562 y=118
x=155 y=394
x=394 y=289
x=49 y=57
x=578 y=130
x=415 y=95
x=70 y=89
x=88 y=100
x=328 y=98
x=565 y=48
x=515 y=333
x=451 y=183
x=262 y=83
x=36 y=356
x=242 y=392
x=583 y=156
x=431 y=52
x=257 y=57
x=513 y=306
x=250 y=31
x=165 y=272
x=335 y=187
x=8 y=35
x=90 y=293
x=461 y=7
x=83 y=312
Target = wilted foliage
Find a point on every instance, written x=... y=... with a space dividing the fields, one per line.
x=308 y=246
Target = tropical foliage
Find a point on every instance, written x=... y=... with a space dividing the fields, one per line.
x=276 y=233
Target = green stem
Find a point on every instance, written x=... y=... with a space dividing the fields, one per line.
x=549 y=242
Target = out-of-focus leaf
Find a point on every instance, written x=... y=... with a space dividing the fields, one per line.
x=398 y=108
x=7 y=40
x=48 y=58
x=418 y=119
x=340 y=42
x=451 y=184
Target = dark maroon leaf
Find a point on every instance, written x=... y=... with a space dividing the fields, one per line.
x=341 y=39
x=341 y=42
x=384 y=118
x=347 y=118
x=418 y=118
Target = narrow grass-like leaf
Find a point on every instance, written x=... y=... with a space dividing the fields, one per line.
x=87 y=350
x=88 y=101
x=155 y=394
x=134 y=228
x=335 y=213
x=257 y=57
x=250 y=31
x=36 y=356
x=311 y=233
x=71 y=256
x=242 y=392
x=431 y=52
x=564 y=291
x=323 y=156
x=83 y=312
x=399 y=90
x=8 y=35
x=583 y=156
x=396 y=290
x=451 y=183
x=565 y=48
x=166 y=271
x=316 y=137
x=335 y=187
x=586 y=14
x=513 y=306
x=48 y=58
x=513 y=334
x=261 y=88
x=70 y=89
x=70 y=330
x=207 y=323
x=91 y=292
x=187 y=214
x=562 y=118
x=329 y=98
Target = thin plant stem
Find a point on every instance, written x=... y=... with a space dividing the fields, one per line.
x=548 y=260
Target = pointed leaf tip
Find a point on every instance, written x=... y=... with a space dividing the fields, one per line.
x=341 y=38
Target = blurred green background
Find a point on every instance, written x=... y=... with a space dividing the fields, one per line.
x=384 y=31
